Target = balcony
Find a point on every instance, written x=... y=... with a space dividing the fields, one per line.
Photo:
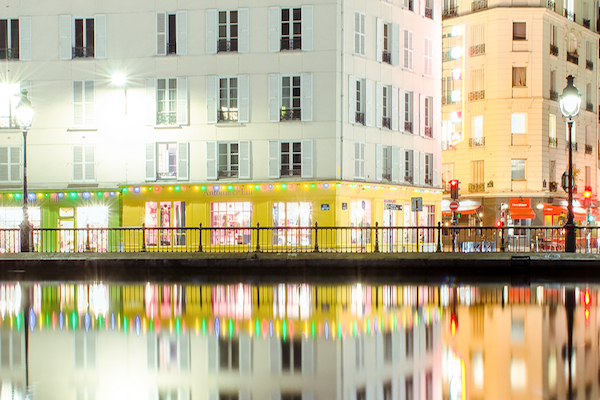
x=408 y=178
x=553 y=186
x=296 y=171
x=477 y=50
x=410 y=5
x=294 y=43
x=476 y=142
x=588 y=149
x=551 y=5
x=586 y=23
x=9 y=54
x=166 y=175
x=386 y=57
x=446 y=56
x=359 y=118
x=386 y=122
x=428 y=132
x=224 y=45
x=574 y=145
x=553 y=95
x=227 y=116
x=572 y=57
x=408 y=126
x=290 y=114
x=228 y=174
x=477 y=95
x=429 y=13
x=589 y=107
x=477 y=187
x=429 y=180
x=552 y=142
x=589 y=64
x=387 y=175
x=80 y=52
x=450 y=12
x=446 y=99
x=479 y=5
x=166 y=118
x=570 y=15
x=9 y=122
x=554 y=50
x=171 y=48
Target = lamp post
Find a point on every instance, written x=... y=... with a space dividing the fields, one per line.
x=24 y=117
x=570 y=101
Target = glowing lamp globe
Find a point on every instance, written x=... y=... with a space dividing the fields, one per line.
x=570 y=100
x=24 y=111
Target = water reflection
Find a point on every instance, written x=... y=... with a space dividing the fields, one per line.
x=295 y=342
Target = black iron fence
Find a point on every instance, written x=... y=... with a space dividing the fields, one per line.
x=373 y=239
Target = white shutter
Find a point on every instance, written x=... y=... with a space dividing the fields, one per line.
x=4 y=164
x=89 y=164
x=181 y=26
x=425 y=56
x=379 y=43
x=244 y=30
x=378 y=104
x=437 y=165
x=307 y=150
x=368 y=102
x=378 y=162
x=363 y=30
x=212 y=97
x=77 y=163
x=395 y=164
x=307 y=395
x=66 y=43
x=211 y=31
x=406 y=51
x=394 y=108
x=212 y=348
x=379 y=349
x=151 y=351
x=245 y=341
x=274 y=170
x=362 y=160
x=395 y=44
x=307 y=28
x=274 y=29
x=306 y=100
x=351 y=99
x=88 y=97
x=401 y=110
x=421 y=114
x=416 y=172
x=410 y=53
x=184 y=356
x=416 y=117
x=430 y=53
x=213 y=394
x=211 y=160
x=15 y=164
x=356 y=160
x=182 y=101
x=421 y=6
x=274 y=98
x=357 y=34
x=183 y=159
x=436 y=126
x=100 y=36
x=25 y=38
x=244 y=394
x=401 y=164
x=150 y=101
x=78 y=103
x=150 y=161
x=161 y=34
x=275 y=356
x=421 y=168
x=243 y=98
x=244 y=172
x=308 y=355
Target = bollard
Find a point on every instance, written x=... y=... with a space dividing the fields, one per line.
x=200 y=250
x=316 y=250
x=257 y=237
x=143 y=237
x=87 y=242
x=376 y=250
x=502 y=248
x=439 y=238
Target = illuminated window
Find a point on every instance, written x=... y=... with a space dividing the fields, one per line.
x=518 y=123
x=519 y=76
x=232 y=215
x=10 y=95
x=290 y=98
x=360 y=217
x=166 y=101
x=552 y=368
x=228 y=100
x=166 y=165
x=165 y=161
x=228 y=159
x=518 y=374
x=228 y=31
x=517 y=170
x=165 y=214
x=552 y=130
x=292 y=215
x=519 y=31
x=477 y=369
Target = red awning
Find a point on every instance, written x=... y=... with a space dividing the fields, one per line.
x=554 y=210
x=463 y=210
x=521 y=212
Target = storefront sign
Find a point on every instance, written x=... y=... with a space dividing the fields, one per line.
x=226 y=193
x=324 y=207
x=393 y=207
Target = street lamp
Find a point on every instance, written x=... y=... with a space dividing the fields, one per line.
x=24 y=117
x=120 y=79
x=570 y=101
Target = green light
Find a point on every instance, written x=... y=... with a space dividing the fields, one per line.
x=203 y=326
x=151 y=325
x=125 y=324
x=177 y=188
x=100 y=321
x=257 y=187
x=47 y=319
x=354 y=328
x=150 y=188
x=74 y=318
x=229 y=187
x=257 y=328
x=284 y=331
x=395 y=323
x=230 y=328
x=339 y=184
x=339 y=329
x=312 y=185
x=313 y=329
x=125 y=190
x=202 y=187
x=73 y=194
x=19 y=321
x=284 y=186
x=369 y=326
x=47 y=194
x=99 y=194
x=18 y=195
x=178 y=326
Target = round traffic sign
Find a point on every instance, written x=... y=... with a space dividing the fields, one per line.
x=454 y=205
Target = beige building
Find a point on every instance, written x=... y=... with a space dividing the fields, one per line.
x=504 y=138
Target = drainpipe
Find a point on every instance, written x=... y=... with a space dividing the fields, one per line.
x=341 y=176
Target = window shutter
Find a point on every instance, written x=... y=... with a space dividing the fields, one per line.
x=244 y=172
x=100 y=36
x=378 y=104
x=356 y=160
x=425 y=56
x=275 y=357
x=211 y=31
x=182 y=101
x=77 y=163
x=212 y=343
x=161 y=34
x=437 y=181
x=244 y=98
x=244 y=30
x=66 y=44
x=351 y=99
x=184 y=354
x=15 y=164
x=90 y=164
x=395 y=164
x=4 y=164
x=395 y=43
x=245 y=354
x=25 y=38
x=307 y=158
x=306 y=101
x=151 y=347
x=401 y=110
x=406 y=51
x=401 y=164
x=394 y=108
x=379 y=43
x=422 y=7
x=77 y=103
x=378 y=162
x=410 y=53
x=368 y=102
x=362 y=160
x=150 y=161
x=421 y=114
x=212 y=93
x=274 y=29
x=211 y=160
x=274 y=98
x=379 y=349
x=415 y=166
x=244 y=394
x=274 y=170
x=183 y=160
x=150 y=101
x=357 y=34
x=308 y=355
x=421 y=161
x=181 y=26
x=416 y=117
x=307 y=28
x=89 y=95
x=363 y=30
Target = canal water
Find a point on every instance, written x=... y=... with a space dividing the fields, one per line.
x=295 y=341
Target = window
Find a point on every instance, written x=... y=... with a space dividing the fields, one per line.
x=229 y=161
x=226 y=396
x=477 y=368
x=359 y=116
x=518 y=374
x=291 y=396
x=589 y=51
x=229 y=354
x=359 y=342
x=408 y=388
x=85 y=350
x=517 y=170
x=291 y=356
x=228 y=31
x=171 y=33
x=292 y=215
x=291 y=28
x=165 y=214
x=409 y=342
x=165 y=161
x=386 y=121
x=518 y=123
x=290 y=98
x=477 y=85
x=408 y=166
x=553 y=35
x=519 y=31
x=360 y=28
x=519 y=76
x=9 y=39
x=477 y=176
x=10 y=164
x=428 y=179
x=386 y=163
x=291 y=158
x=429 y=338
x=478 y=40
x=428 y=116
x=82 y=37
x=429 y=8
x=387 y=391
x=10 y=345
x=408 y=111
x=360 y=217
x=166 y=101
x=230 y=215
x=408 y=50
x=427 y=57
x=409 y=5
x=553 y=93
x=83 y=103
x=228 y=100
x=428 y=385
x=387 y=48
x=359 y=160
x=84 y=165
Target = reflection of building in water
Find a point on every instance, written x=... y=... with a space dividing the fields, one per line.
x=221 y=342
x=512 y=343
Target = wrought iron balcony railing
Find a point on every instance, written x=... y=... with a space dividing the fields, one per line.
x=586 y=23
x=573 y=145
x=589 y=64
x=477 y=142
x=477 y=95
x=554 y=50
x=171 y=48
x=292 y=43
x=589 y=107
x=570 y=15
x=428 y=132
x=552 y=142
x=224 y=45
x=429 y=13
x=428 y=180
x=228 y=174
x=360 y=118
x=9 y=122
x=553 y=186
x=572 y=57
x=386 y=122
x=477 y=50
x=553 y=95
x=227 y=115
x=386 y=57
x=450 y=12
x=446 y=55
x=551 y=5
x=588 y=149
x=83 y=52
x=408 y=126
x=9 y=54
x=479 y=5
x=290 y=114
x=166 y=118
x=477 y=187
x=294 y=171
x=408 y=178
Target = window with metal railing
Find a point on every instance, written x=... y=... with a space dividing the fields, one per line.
x=290 y=98
x=228 y=100
x=166 y=101
x=228 y=31
x=479 y=5
x=291 y=29
x=84 y=38
x=586 y=23
x=551 y=5
x=552 y=142
x=588 y=149
x=476 y=142
x=450 y=11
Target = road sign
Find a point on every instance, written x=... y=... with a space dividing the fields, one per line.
x=393 y=207
x=416 y=203
x=454 y=205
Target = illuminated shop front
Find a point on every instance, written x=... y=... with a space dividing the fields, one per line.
x=164 y=214
x=11 y=218
x=231 y=215
x=292 y=215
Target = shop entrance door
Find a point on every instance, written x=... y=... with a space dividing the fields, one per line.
x=392 y=214
x=66 y=223
x=94 y=239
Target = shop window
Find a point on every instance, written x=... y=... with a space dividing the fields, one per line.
x=292 y=215
x=229 y=351
x=232 y=215
x=360 y=217
x=92 y=217
x=291 y=356
x=11 y=218
x=168 y=215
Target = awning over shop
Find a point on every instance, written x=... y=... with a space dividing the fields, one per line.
x=579 y=213
x=520 y=209
x=462 y=209
x=554 y=210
